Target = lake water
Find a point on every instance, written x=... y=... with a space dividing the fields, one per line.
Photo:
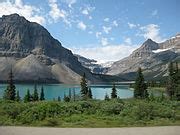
x=52 y=91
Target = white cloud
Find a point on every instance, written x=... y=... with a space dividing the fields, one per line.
x=81 y=25
x=87 y=10
x=98 y=34
x=115 y=23
x=131 y=25
x=30 y=12
x=56 y=13
x=69 y=2
x=151 y=31
x=106 y=29
x=154 y=12
x=104 y=41
x=128 y=41
x=105 y=53
x=106 y=19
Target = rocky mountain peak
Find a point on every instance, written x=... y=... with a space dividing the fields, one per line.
x=21 y=36
x=149 y=44
x=177 y=35
x=34 y=53
x=146 y=49
x=12 y=18
x=152 y=57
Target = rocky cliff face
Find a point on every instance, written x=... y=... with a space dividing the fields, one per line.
x=152 y=57
x=34 y=54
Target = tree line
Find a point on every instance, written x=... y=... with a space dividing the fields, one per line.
x=173 y=83
x=140 y=88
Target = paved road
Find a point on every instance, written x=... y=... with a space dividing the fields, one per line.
x=166 y=130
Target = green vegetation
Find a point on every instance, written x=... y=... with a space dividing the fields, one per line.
x=91 y=113
x=35 y=95
x=106 y=98
x=17 y=98
x=86 y=92
x=89 y=94
x=140 y=89
x=27 y=97
x=10 y=92
x=173 y=87
x=143 y=110
x=114 y=92
x=42 y=94
x=84 y=87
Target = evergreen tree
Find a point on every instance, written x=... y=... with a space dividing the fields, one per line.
x=35 y=94
x=114 y=92
x=27 y=97
x=66 y=98
x=173 y=85
x=70 y=93
x=59 y=98
x=18 y=98
x=171 y=69
x=89 y=94
x=140 y=90
x=84 y=87
x=74 y=95
x=106 y=97
x=10 y=91
x=170 y=87
x=42 y=94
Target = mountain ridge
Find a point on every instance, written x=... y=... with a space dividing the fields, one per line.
x=35 y=55
x=152 y=57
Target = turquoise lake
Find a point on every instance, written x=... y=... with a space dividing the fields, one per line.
x=52 y=91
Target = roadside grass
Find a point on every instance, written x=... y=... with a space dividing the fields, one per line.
x=92 y=113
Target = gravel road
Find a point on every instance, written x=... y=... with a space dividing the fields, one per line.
x=165 y=130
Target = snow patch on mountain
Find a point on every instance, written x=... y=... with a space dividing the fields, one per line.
x=161 y=50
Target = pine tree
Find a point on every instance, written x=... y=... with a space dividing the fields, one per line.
x=59 y=98
x=18 y=98
x=70 y=93
x=114 y=92
x=35 y=94
x=173 y=85
x=89 y=94
x=10 y=91
x=66 y=98
x=42 y=94
x=84 y=87
x=171 y=81
x=27 y=97
x=74 y=95
x=177 y=68
x=171 y=69
x=140 y=90
x=106 y=97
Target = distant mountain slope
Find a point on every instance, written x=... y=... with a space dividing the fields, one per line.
x=93 y=65
x=152 y=57
x=34 y=54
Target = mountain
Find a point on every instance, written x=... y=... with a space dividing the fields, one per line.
x=33 y=54
x=152 y=57
x=93 y=65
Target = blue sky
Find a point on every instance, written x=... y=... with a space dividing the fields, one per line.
x=105 y=30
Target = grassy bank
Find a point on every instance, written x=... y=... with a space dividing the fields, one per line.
x=93 y=113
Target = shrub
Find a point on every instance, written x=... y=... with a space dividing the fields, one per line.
x=109 y=108
x=50 y=122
